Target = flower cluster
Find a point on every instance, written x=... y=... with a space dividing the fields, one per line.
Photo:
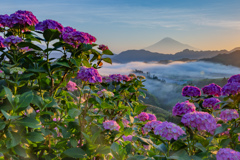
x=111 y=125
x=234 y=78
x=90 y=75
x=4 y=20
x=143 y=116
x=211 y=103
x=71 y=86
x=49 y=24
x=23 y=18
x=212 y=89
x=12 y=40
x=106 y=79
x=132 y=75
x=231 y=88
x=116 y=77
x=200 y=120
x=127 y=138
x=17 y=70
x=152 y=117
x=102 y=47
x=183 y=108
x=229 y=114
x=125 y=123
x=2 y=42
x=150 y=126
x=227 y=154
x=68 y=29
x=168 y=130
x=126 y=78
x=105 y=93
x=191 y=91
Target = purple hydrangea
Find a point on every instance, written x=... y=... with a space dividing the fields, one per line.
x=200 y=120
x=183 y=108
x=22 y=18
x=127 y=138
x=4 y=20
x=116 y=77
x=11 y=40
x=143 y=116
x=150 y=126
x=234 y=79
x=102 y=47
x=111 y=125
x=2 y=42
x=49 y=24
x=106 y=79
x=191 y=91
x=227 y=154
x=71 y=86
x=239 y=137
x=100 y=93
x=229 y=114
x=125 y=123
x=211 y=103
x=168 y=130
x=231 y=88
x=68 y=29
x=126 y=78
x=90 y=75
x=212 y=89
x=152 y=117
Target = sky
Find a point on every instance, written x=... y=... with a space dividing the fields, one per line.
x=136 y=24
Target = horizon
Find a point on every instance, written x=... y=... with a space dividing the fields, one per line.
x=124 y=25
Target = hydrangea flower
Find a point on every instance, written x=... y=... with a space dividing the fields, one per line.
x=125 y=123
x=234 y=79
x=132 y=75
x=17 y=70
x=4 y=20
x=150 y=126
x=141 y=77
x=49 y=24
x=68 y=29
x=12 y=40
x=211 y=103
x=229 y=114
x=231 y=88
x=106 y=79
x=102 y=47
x=183 y=108
x=127 y=138
x=152 y=117
x=126 y=78
x=168 y=130
x=105 y=93
x=23 y=18
x=239 y=137
x=200 y=120
x=111 y=125
x=2 y=42
x=116 y=77
x=212 y=89
x=71 y=86
x=191 y=91
x=227 y=154
x=143 y=116
x=90 y=75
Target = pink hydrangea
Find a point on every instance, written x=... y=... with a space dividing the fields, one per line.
x=4 y=20
x=126 y=78
x=2 y=42
x=23 y=18
x=168 y=130
x=229 y=114
x=234 y=79
x=231 y=88
x=90 y=75
x=111 y=125
x=239 y=137
x=49 y=24
x=127 y=138
x=116 y=77
x=152 y=117
x=102 y=47
x=200 y=120
x=143 y=116
x=212 y=89
x=183 y=108
x=125 y=123
x=12 y=40
x=150 y=126
x=227 y=154
x=191 y=91
x=147 y=147
x=71 y=86
x=211 y=103
x=56 y=119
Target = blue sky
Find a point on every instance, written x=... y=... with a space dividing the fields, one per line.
x=136 y=24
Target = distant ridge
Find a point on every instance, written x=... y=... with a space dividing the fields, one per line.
x=169 y=46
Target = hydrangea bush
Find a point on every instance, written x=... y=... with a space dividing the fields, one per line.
x=62 y=108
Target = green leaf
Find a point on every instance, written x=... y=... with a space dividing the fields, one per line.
x=20 y=151
x=236 y=130
x=145 y=141
x=221 y=129
x=107 y=52
x=2 y=124
x=200 y=146
x=73 y=112
x=131 y=89
x=30 y=45
x=128 y=148
x=29 y=122
x=35 y=137
x=142 y=94
x=65 y=64
x=224 y=143
x=14 y=139
x=139 y=108
x=8 y=116
x=161 y=148
x=51 y=34
x=180 y=155
x=75 y=153
x=108 y=60
x=25 y=99
x=103 y=150
x=137 y=158
x=86 y=63
x=9 y=95
x=73 y=142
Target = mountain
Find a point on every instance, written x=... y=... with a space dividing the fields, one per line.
x=226 y=59
x=168 y=46
x=147 y=56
